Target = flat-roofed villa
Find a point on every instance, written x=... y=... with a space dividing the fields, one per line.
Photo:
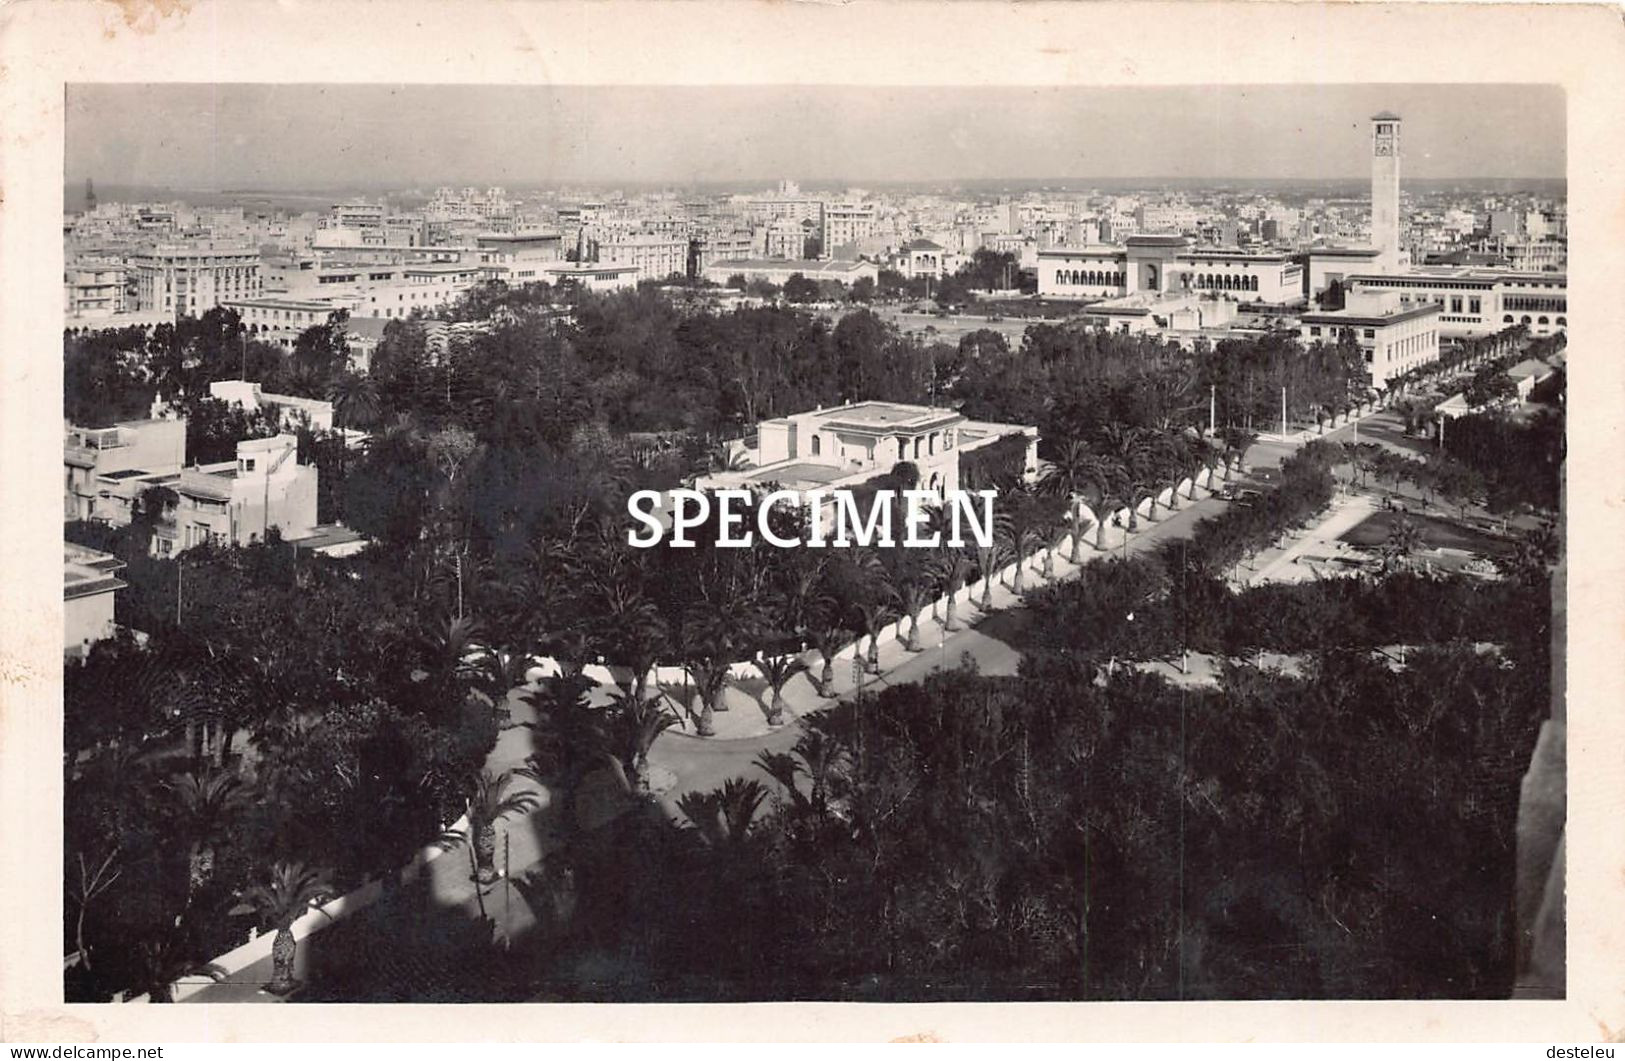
x=105 y=467
x=843 y=446
x=89 y=583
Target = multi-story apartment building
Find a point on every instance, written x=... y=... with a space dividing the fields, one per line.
x=191 y=278
x=785 y=238
x=845 y=223
x=766 y=210
x=517 y=258
x=708 y=248
x=356 y=213
x=280 y=320
x=655 y=257
x=94 y=289
x=370 y=284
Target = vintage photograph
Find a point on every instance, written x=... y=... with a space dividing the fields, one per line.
x=767 y=543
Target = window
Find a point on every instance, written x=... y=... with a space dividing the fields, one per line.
x=1455 y=304
x=1370 y=333
x=1314 y=330
x=1475 y=305
x=248 y=464
x=817 y=445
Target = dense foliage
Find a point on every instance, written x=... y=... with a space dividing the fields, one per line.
x=1056 y=835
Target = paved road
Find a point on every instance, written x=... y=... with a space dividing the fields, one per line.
x=700 y=765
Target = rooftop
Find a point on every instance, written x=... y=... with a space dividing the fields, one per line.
x=795 y=473
x=1344 y=316
x=806 y=266
x=1530 y=367
x=327 y=535
x=86 y=571
x=1343 y=252
x=883 y=416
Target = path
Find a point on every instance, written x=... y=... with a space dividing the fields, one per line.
x=700 y=765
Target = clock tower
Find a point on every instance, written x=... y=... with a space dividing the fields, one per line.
x=1385 y=189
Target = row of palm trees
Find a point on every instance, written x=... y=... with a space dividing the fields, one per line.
x=589 y=598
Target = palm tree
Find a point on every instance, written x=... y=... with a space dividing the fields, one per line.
x=829 y=638
x=1403 y=542
x=1070 y=471
x=818 y=757
x=875 y=616
x=1052 y=542
x=288 y=890
x=161 y=962
x=723 y=817
x=826 y=760
x=1022 y=530
x=1077 y=525
x=711 y=679
x=988 y=559
x=205 y=803
x=911 y=597
x=355 y=401
x=636 y=725
x=778 y=670
x=949 y=567
x=451 y=649
x=571 y=741
x=723 y=457
x=489 y=803
x=1128 y=448
x=785 y=769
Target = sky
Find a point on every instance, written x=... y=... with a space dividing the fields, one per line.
x=242 y=136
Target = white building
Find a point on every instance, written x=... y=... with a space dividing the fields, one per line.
x=94 y=289
x=1158 y=264
x=923 y=257
x=98 y=462
x=845 y=223
x=183 y=279
x=89 y=585
x=1476 y=302
x=290 y=410
x=777 y=271
x=1394 y=336
x=237 y=502
x=841 y=447
x=655 y=257
x=591 y=276
x=281 y=320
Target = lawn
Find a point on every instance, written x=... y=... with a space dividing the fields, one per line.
x=1437 y=533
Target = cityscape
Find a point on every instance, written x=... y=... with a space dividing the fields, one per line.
x=1249 y=687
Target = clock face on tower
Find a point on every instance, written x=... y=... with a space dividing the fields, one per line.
x=1385 y=147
